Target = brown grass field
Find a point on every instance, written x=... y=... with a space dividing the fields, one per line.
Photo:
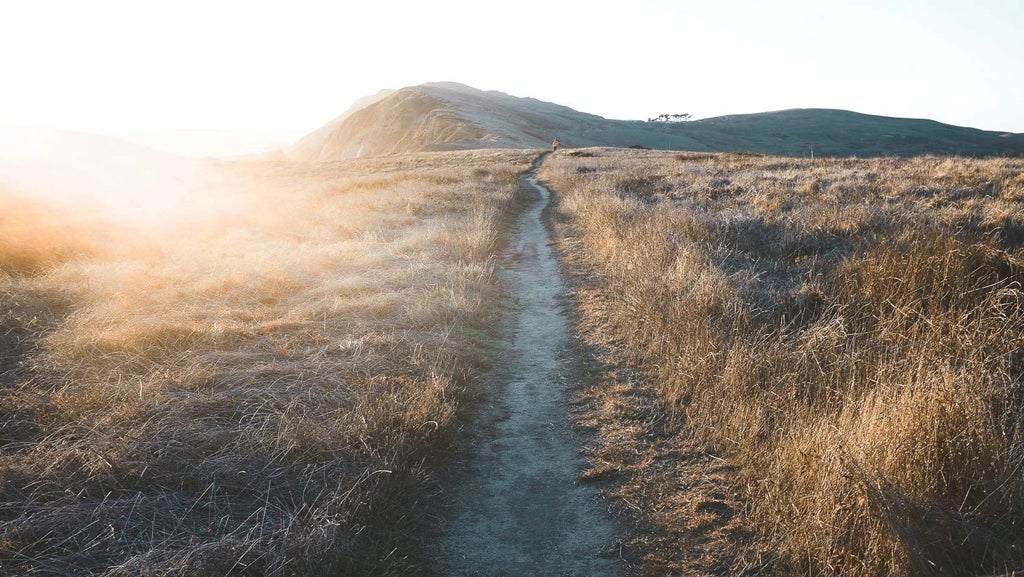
x=805 y=367
x=264 y=388
x=797 y=367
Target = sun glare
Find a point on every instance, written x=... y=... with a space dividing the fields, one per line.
x=109 y=180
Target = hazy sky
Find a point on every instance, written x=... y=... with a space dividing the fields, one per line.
x=284 y=68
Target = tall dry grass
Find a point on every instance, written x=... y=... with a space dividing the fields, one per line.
x=262 y=391
x=850 y=333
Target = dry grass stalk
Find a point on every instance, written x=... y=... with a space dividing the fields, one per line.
x=264 y=394
x=848 y=333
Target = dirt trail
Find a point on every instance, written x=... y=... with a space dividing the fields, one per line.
x=518 y=510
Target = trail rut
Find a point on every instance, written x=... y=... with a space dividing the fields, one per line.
x=518 y=510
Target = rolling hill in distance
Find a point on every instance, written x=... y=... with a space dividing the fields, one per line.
x=61 y=164
x=451 y=116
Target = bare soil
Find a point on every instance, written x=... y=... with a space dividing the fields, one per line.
x=518 y=508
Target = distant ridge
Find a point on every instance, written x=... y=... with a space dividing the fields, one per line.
x=452 y=116
x=45 y=161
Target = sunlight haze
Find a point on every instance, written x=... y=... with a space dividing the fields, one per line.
x=260 y=75
x=563 y=288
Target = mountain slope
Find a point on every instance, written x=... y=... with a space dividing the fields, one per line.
x=310 y=145
x=450 y=116
x=829 y=132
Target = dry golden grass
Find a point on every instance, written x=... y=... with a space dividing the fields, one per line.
x=264 y=391
x=847 y=334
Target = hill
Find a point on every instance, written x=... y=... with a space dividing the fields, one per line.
x=81 y=176
x=57 y=163
x=451 y=116
x=830 y=132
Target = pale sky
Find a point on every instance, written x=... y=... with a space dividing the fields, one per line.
x=264 y=71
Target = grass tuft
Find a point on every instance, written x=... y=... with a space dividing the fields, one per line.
x=846 y=333
x=266 y=393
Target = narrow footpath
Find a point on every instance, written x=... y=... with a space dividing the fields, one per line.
x=518 y=509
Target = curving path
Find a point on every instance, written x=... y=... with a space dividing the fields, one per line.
x=518 y=509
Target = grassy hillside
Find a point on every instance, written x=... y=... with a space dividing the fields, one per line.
x=825 y=132
x=450 y=116
x=263 y=391
x=809 y=366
